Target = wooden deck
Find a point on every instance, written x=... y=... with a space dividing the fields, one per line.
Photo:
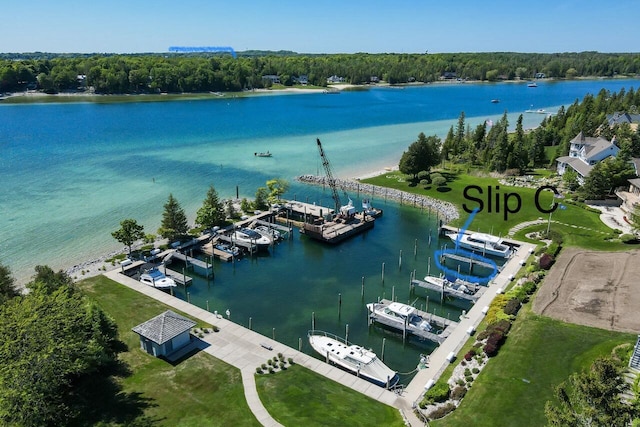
x=204 y=267
x=335 y=232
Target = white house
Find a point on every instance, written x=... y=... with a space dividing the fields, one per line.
x=584 y=153
x=165 y=333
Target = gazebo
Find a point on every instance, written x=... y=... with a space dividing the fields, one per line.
x=165 y=333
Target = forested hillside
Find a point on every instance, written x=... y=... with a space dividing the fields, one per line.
x=152 y=73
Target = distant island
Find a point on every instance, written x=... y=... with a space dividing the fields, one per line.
x=180 y=73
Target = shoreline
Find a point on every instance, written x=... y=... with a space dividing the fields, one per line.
x=37 y=96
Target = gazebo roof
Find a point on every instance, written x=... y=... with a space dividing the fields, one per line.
x=164 y=327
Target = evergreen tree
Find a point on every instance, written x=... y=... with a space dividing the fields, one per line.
x=7 y=285
x=421 y=155
x=174 y=220
x=212 y=211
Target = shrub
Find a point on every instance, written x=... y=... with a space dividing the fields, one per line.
x=281 y=365
x=490 y=349
x=441 y=411
x=280 y=356
x=553 y=249
x=468 y=356
x=529 y=287
x=215 y=328
x=501 y=326
x=467 y=372
x=546 y=261
x=469 y=379
x=271 y=370
x=475 y=370
x=258 y=370
x=628 y=238
x=270 y=362
x=263 y=366
x=460 y=382
x=496 y=338
x=482 y=335
x=290 y=360
x=512 y=306
x=458 y=392
x=438 y=393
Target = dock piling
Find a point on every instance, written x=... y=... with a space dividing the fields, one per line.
x=362 y=291
x=300 y=344
x=273 y=333
x=207 y=305
x=383 y=273
x=346 y=333
x=384 y=340
x=393 y=293
x=188 y=298
x=415 y=248
x=400 y=260
x=250 y=323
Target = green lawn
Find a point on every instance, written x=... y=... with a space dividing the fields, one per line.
x=539 y=354
x=495 y=222
x=300 y=397
x=205 y=391
x=200 y=390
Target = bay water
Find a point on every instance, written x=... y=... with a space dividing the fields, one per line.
x=70 y=172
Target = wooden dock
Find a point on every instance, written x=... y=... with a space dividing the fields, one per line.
x=211 y=250
x=179 y=278
x=190 y=262
x=447 y=291
x=335 y=232
x=446 y=325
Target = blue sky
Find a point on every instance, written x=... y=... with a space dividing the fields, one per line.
x=321 y=26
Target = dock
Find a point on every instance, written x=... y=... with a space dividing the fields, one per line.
x=447 y=291
x=446 y=325
x=334 y=232
x=464 y=259
x=179 y=278
x=211 y=250
x=190 y=262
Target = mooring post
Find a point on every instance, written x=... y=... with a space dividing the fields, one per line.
x=346 y=333
x=250 y=323
x=299 y=344
x=313 y=320
x=188 y=298
x=273 y=334
x=393 y=293
x=415 y=248
x=383 y=272
x=207 y=305
x=362 y=291
x=383 y=342
x=400 y=260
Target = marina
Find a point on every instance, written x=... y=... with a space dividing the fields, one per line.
x=438 y=331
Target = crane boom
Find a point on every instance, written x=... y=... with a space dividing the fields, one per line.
x=330 y=179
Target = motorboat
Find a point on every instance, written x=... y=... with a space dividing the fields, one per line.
x=495 y=101
x=486 y=244
x=456 y=288
x=532 y=84
x=157 y=279
x=353 y=358
x=230 y=249
x=269 y=232
x=402 y=316
x=251 y=237
x=264 y=154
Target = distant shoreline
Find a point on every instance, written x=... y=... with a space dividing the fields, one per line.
x=39 y=97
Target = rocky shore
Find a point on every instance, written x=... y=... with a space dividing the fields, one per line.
x=446 y=210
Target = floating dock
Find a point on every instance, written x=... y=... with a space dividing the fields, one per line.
x=448 y=291
x=335 y=232
x=446 y=325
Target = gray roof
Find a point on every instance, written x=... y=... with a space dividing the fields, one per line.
x=576 y=164
x=635 y=182
x=164 y=327
x=618 y=117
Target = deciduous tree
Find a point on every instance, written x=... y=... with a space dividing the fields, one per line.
x=129 y=232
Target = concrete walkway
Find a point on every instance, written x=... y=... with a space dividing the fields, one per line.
x=438 y=360
x=243 y=348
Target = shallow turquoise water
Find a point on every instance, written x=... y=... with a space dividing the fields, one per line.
x=71 y=172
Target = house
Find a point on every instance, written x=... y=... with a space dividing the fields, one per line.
x=302 y=79
x=631 y=196
x=619 y=118
x=540 y=76
x=584 y=153
x=449 y=75
x=165 y=333
x=273 y=78
x=335 y=79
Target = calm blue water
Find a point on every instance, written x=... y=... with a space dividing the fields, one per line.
x=71 y=172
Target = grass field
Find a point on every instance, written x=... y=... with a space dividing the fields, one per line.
x=494 y=222
x=301 y=398
x=200 y=390
x=539 y=354
x=205 y=391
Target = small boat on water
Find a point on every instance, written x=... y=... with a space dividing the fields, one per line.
x=353 y=358
x=246 y=235
x=532 y=84
x=485 y=244
x=231 y=250
x=264 y=154
x=157 y=279
x=401 y=315
x=495 y=101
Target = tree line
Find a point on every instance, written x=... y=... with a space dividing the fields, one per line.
x=494 y=148
x=174 y=73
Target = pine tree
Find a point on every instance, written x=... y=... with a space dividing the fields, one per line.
x=212 y=211
x=174 y=220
